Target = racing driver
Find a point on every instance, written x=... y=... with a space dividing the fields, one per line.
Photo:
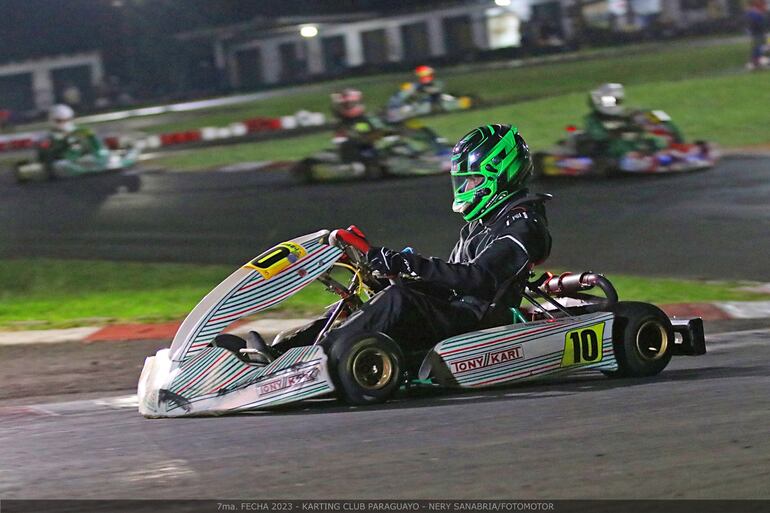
x=65 y=137
x=505 y=235
x=612 y=129
x=357 y=132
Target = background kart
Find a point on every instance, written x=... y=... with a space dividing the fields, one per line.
x=398 y=110
x=564 y=330
x=87 y=155
x=659 y=149
x=411 y=149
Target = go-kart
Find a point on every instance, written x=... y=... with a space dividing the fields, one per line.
x=85 y=153
x=654 y=146
x=406 y=150
x=399 y=109
x=565 y=329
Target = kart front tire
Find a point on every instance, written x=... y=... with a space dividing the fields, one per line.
x=368 y=368
x=18 y=176
x=537 y=166
x=643 y=339
x=302 y=171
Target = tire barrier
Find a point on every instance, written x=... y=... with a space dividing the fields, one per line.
x=258 y=125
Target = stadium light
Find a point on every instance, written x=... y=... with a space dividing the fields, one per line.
x=503 y=3
x=308 y=31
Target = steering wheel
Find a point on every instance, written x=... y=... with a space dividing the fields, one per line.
x=353 y=242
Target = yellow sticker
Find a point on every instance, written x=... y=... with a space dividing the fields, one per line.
x=276 y=259
x=549 y=166
x=583 y=345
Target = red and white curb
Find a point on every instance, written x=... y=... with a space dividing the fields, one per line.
x=301 y=119
x=166 y=330
x=720 y=311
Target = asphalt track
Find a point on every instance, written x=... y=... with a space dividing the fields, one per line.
x=699 y=430
x=712 y=224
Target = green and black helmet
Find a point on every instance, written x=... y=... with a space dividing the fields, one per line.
x=489 y=165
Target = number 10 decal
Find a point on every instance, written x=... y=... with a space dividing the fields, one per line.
x=583 y=345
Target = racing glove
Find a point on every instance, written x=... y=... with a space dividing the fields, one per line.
x=387 y=261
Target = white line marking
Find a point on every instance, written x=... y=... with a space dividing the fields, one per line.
x=13 y=338
x=87 y=405
x=726 y=348
x=118 y=403
x=160 y=471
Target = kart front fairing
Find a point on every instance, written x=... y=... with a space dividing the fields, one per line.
x=194 y=378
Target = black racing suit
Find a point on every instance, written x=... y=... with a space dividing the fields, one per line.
x=489 y=264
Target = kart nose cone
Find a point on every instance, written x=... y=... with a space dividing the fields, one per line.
x=154 y=376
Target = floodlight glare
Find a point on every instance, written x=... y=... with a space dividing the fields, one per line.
x=503 y=3
x=308 y=31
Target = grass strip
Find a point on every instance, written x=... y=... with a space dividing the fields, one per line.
x=42 y=293
x=722 y=109
x=637 y=65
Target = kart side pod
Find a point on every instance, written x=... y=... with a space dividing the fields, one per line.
x=632 y=340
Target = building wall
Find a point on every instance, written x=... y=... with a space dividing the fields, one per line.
x=47 y=78
x=457 y=33
x=404 y=38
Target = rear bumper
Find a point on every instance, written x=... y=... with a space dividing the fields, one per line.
x=689 y=338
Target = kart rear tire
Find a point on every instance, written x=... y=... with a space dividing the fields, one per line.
x=368 y=368
x=605 y=167
x=375 y=171
x=643 y=339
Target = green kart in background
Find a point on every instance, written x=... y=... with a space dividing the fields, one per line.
x=79 y=153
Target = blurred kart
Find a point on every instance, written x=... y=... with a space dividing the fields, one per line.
x=650 y=144
x=424 y=96
x=82 y=153
x=403 y=150
x=399 y=108
x=565 y=330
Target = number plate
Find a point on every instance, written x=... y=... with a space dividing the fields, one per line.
x=583 y=345
x=276 y=259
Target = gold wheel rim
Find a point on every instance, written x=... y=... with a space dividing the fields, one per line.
x=652 y=340
x=372 y=368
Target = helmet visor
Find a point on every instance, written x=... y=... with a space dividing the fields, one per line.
x=466 y=182
x=611 y=101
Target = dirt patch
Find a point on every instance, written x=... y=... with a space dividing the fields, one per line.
x=32 y=372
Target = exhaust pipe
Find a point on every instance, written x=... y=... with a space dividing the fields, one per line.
x=568 y=284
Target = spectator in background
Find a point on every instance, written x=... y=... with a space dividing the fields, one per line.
x=72 y=96
x=756 y=18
